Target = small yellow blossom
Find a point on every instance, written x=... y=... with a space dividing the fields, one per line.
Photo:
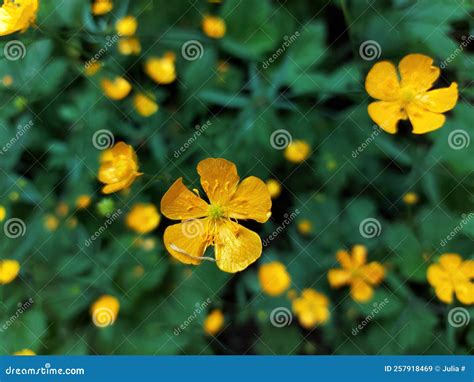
x=311 y=308
x=162 y=70
x=274 y=278
x=7 y=80
x=83 y=201
x=17 y=15
x=144 y=105
x=410 y=198
x=116 y=89
x=409 y=97
x=274 y=188
x=451 y=275
x=126 y=26
x=62 y=209
x=304 y=226
x=104 y=311
x=213 y=26
x=149 y=244
x=51 y=222
x=297 y=151
x=101 y=7
x=214 y=322
x=3 y=213
x=129 y=45
x=25 y=352
x=355 y=272
x=71 y=222
x=92 y=68
x=9 y=270
x=143 y=218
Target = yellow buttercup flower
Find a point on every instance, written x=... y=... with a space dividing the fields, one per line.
x=355 y=272
x=297 y=151
x=9 y=270
x=162 y=70
x=129 y=45
x=451 y=275
x=101 y=7
x=104 y=311
x=83 y=201
x=409 y=97
x=17 y=15
x=144 y=105
x=274 y=188
x=126 y=26
x=213 y=26
x=25 y=352
x=116 y=89
x=410 y=198
x=304 y=226
x=214 y=322
x=311 y=308
x=143 y=218
x=274 y=278
x=3 y=213
x=214 y=224
x=118 y=168
x=92 y=68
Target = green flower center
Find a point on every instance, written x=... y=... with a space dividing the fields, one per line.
x=215 y=211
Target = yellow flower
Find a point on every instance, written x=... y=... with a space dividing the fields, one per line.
x=126 y=26
x=25 y=352
x=145 y=105
x=274 y=188
x=143 y=218
x=214 y=322
x=161 y=69
x=410 y=198
x=92 y=68
x=214 y=224
x=297 y=151
x=3 y=213
x=452 y=274
x=409 y=98
x=274 y=278
x=7 y=80
x=213 y=26
x=116 y=89
x=118 y=168
x=17 y=15
x=101 y=7
x=83 y=201
x=9 y=270
x=129 y=45
x=51 y=222
x=304 y=226
x=104 y=311
x=311 y=308
x=355 y=272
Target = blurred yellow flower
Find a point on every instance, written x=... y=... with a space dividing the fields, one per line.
x=409 y=98
x=214 y=224
x=3 y=213
x=213 y=26
x=297 y=151
x=51 y=222
x=145 y=105
x=452 y=275
x=101 y=7
x=92 y=68
x=143 y=218
x=83 y=201
x=116 y=89
x=118 y=168
x=9 y=270
x=410 y=198
x=7 y=80
x=304 y=226
x=274 y=188
x=214 y=322
x=62 y=209
x=355 y=272
x=162 y=70
x=126 y=26
x=129 y=45
x=104 y=311
x=25 y=352
x=17 y=15
x=311 y=308
x=274 y=278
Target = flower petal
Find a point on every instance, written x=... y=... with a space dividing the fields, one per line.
x=417 y=72
x=359 y=255
x=344 y=259
x=450 y=261
x=373 y=272
x=382 y=82
x=219 y=179
x=467 y=269
x=236 y=247
x=440 y=100
x=386 y=115
x=437 y=275
x=251 y=201
x=186 y=241
x=338 y=277
x=423 y=120
x=361 y=291
x=445 y=292
x=179 y=203
x=465 y=292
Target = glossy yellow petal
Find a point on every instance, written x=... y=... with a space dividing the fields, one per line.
x=437 y=275
x=179 y=203
x=467 y=268
x=423 y=120
x=344 y=259
x=382 y=82
x=251 y=201
x=187 y=241
x=359 y=255
x=373 y=272
x=338 y=277
x=361 y=291
x=440 y=100
x=465 y=292
x=417 y=72
x=236 y=247
x=450 y=261
x=386 y=115
x=445 y=292
x=219 y=179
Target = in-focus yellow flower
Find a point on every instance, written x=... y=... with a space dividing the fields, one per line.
x=311 y=308
x=274 y=278
x=274 y=188
x=355 y=272
x=9 y=270
x=104 y=311
x=410 y=198
x=92 y=68
x=3 y=213
x=83 y=201
x=145 y=105
x=452 y=275
x=101 y=7
x=51 y=222
x=116 y=89
x=126 y=26
x=129 y=45
x=214 y=322
x=143 y=218
x=17 y=15
x=304 y=226
x=297 y=151
x=214 y=224
x=213 y=26
x=25 y=352
x=162 y=70
x=408 y=97
x=118 y=168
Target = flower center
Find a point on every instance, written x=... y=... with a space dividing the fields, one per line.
x=407 y=95
x=215 y=211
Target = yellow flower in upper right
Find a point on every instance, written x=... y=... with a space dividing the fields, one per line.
x=405 y=94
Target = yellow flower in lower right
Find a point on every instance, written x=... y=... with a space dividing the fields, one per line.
x=311 y=308
x=214 y=322
x=355 y=272
x=451 y=275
